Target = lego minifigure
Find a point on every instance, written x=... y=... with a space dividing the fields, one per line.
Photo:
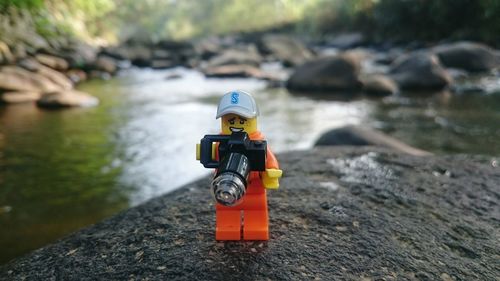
x=245 y=168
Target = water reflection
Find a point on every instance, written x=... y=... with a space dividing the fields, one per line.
x=62 y=170
x=167 y=117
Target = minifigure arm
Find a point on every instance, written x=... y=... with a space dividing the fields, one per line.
x=270 y=178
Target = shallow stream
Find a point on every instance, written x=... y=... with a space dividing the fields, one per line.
x=62 y=170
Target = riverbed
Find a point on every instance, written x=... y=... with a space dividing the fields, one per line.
x=63 y=170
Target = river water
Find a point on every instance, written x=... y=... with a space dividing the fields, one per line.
x=62 y=170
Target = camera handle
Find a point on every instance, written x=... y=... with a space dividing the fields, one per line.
x=206 y=149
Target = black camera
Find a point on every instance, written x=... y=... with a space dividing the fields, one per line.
x=238 y=156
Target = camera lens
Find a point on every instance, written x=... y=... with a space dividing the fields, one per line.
x=229 y=185
x=228 y=189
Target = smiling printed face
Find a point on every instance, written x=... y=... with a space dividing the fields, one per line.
x=234 y=123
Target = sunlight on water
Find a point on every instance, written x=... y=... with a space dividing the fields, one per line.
x=167 y=117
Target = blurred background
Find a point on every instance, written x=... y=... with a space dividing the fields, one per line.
x=103 y=101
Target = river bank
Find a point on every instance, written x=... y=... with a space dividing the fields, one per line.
x=343 y=213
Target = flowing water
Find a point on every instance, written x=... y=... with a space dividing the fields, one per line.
x=62 y=170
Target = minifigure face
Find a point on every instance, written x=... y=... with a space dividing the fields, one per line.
x=234 y=123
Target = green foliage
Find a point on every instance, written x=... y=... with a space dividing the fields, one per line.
x=31 y=5
x=408 y=19
x=179 y=19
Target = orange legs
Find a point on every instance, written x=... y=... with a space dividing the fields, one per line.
x=250 y=218
x=228 y=225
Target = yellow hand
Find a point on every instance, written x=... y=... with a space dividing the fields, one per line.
x=198 y=151
x=270 y=178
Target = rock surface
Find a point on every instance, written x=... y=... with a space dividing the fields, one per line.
x=379 y=85
x=419 y=70
x=287 y=49
x=469 y=56
x=362 y=136
x=244 y=56
x=327 y=74
x=340 y=214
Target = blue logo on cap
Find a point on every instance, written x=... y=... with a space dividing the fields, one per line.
x=235 y=98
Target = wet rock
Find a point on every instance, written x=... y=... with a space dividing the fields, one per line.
x=207 y=48
x=327 y=74
x=419 y=70
x=14 y=78
x=163 y=64
x=6 y=55
x=19 y=97
x=378 y=85
x=56 y=77
x=161 y=54
x=139 y=55
x=77 y=54
x=76 y=75
x=346 y=40
x=53 y=62
x=233 y=71
x=469 y=56
x=286 y=49
x=341 y=213
x=69 y=98
x=180 y=51
x=237 y=56
x=362 y=136
x=106 y=64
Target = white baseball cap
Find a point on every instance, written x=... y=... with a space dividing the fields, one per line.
x=237 y=102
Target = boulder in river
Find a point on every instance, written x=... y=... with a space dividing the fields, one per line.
x=286 y=49
x=19 y=97
x=469 y=56
x=69 y=98
x=346 y=40
x=247 y=55
x=106 y=64
x=6 y=55
x=53 y=62
x=362 y=136
x=335 y=73
x=341 y=213
x=15 y=78
x=378 y=85
x=419 y=71
x=57 y=77
x=233 y=71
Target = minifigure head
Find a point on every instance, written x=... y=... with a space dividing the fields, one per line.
x=239 y=112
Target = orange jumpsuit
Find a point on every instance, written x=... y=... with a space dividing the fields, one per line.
x=249 y=218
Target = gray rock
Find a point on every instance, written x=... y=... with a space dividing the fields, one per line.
x=327 y=74
x=69 y=98
x=237 y=56
x=469 y=56
x=347 y=40
x=163 y=64
x=139 y=55
x=379 y=85
x=233 y=71
x=361 y=136
x=419 y=70
x=340 y=214
x=106 y=64
x=287 y=49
